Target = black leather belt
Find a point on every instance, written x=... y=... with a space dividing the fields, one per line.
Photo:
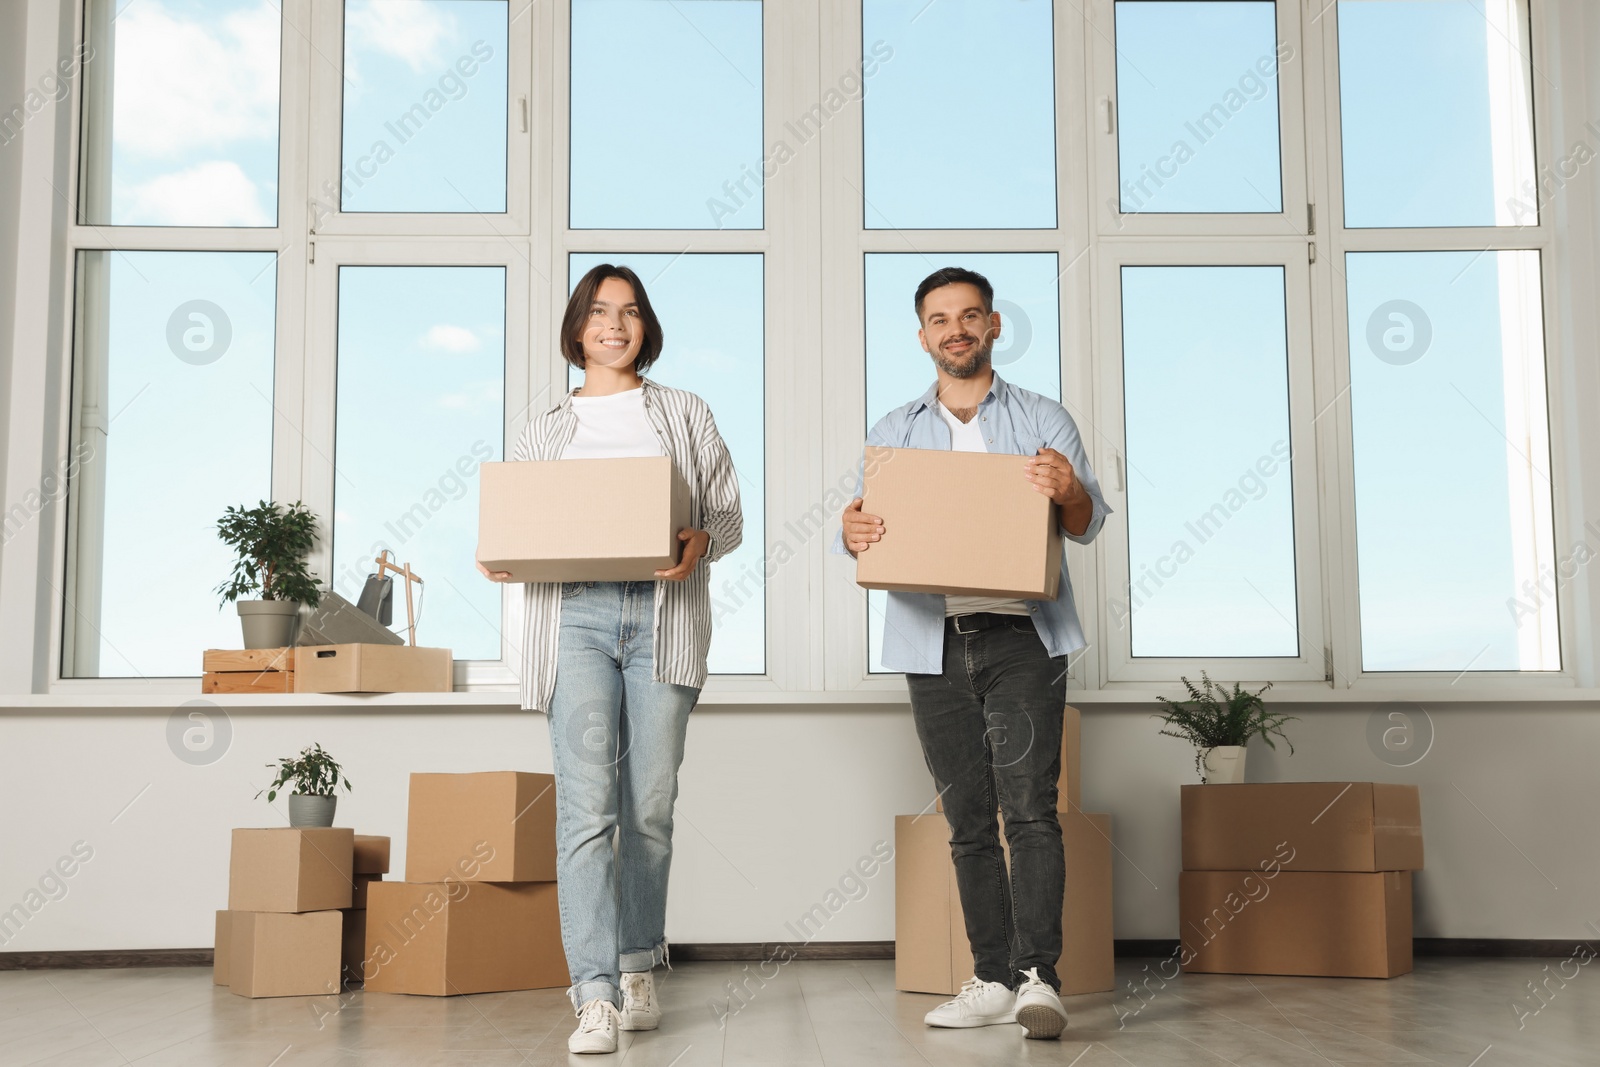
x=973 y=621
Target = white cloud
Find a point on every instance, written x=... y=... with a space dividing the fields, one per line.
x=184 y=86
x=412 y=31
x=217 y=193
x=453 y=339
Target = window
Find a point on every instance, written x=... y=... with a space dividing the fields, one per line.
x=421 y=402
x=172 y=423
x=711 y=313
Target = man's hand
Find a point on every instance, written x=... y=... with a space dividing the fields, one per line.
x=859 y=530
x=695 y=544
x=494 y=576
x=1051 y=473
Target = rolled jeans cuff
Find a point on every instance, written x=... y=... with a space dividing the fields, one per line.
x=643 y=960
x=584 y=992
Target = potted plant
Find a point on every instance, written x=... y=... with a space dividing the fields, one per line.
x=315 y=775
x=1219 y=724
x=272 y=542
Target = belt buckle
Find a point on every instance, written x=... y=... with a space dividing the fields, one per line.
x=959 y=630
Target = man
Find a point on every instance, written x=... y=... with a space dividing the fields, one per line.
x=988 y=675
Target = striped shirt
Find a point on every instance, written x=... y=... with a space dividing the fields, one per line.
x=682 y=609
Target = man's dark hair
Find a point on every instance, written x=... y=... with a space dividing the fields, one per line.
x=951 y=276
x=577 y=316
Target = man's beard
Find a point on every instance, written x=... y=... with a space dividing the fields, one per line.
x=982 y=350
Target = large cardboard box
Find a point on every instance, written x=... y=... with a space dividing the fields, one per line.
x=371 y=855
x=444 y=938
x=632 y=510
x=373 y=669
x=277 y=954
x=1069 y=783
x=1337 y=924
x=220 y=964
x=936 y=504
x=492 y=826
x=289 y=869
x=1324 y=826
x=932 y=954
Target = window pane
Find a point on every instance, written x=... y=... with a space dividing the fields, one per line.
x=1027 y=353
x=420 y=404
x=1197 y=106
x=712 y=313
x=1210 y=502
x=181 y=115
x=1436 y=113
x=424 y=106
x=959 y=113
x=172 y=401
x=1452 y=462
x=666 y=115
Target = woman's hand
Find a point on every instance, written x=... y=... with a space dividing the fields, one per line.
x=494 y=576
x=695 y=544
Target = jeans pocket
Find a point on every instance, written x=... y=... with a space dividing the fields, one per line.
x=572 y=589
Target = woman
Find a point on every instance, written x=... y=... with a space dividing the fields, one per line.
x=618 y=666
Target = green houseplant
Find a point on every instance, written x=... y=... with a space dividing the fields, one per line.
x=1220 y=723
x=315 y=775
x=272 y=542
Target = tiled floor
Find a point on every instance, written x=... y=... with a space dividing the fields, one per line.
x=1457 y=1012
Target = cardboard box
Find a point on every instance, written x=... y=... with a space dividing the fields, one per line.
x=276 y=954
x=288 y=869
x=932 y=953
x=1336 y=924
x=934 y=504
x=632 y=511
x=219 y=953
x=358 y=888
x=445 y=938
x=1330 y=826
x=371 y=855
x=373 y=669
x=353 y=945
x=493 y=826
x=1069 y=783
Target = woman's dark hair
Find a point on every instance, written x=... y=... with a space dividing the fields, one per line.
x=951 y=276
x=577 y=316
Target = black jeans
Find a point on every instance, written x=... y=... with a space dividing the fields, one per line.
x=990 y=728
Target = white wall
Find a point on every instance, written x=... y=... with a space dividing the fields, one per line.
x=776 y=805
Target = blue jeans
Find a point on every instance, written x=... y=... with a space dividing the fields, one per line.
x=616 y=738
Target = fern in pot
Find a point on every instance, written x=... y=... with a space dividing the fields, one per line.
x=272 y=541
x=1220 y=723
x=315 y=776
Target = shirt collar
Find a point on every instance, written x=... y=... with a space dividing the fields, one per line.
x=997 y=390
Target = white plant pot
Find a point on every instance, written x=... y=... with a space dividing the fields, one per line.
x=268 y=623
x=1224 y=765
x=311 y=810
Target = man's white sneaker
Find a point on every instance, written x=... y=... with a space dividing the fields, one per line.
x=1039 y=1008
x=979 y=1003
x=640 y=1009
x=597 y=1028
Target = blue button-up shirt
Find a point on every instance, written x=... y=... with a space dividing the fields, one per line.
x=1016 y=421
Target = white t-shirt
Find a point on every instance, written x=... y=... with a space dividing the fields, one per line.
x=612 y=427
x=969 y=437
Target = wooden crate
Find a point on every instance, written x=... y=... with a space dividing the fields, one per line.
x=248 y=670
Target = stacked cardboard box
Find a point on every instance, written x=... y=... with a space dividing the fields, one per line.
x=932 y=954
x=1307 y=878
x=369 y=864
x=281 y=933
x=477 y=912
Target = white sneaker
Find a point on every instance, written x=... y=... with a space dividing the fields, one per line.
x=1039 y=1008
x=597 y=1028
x=640 y=1009
x=979 y=1003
